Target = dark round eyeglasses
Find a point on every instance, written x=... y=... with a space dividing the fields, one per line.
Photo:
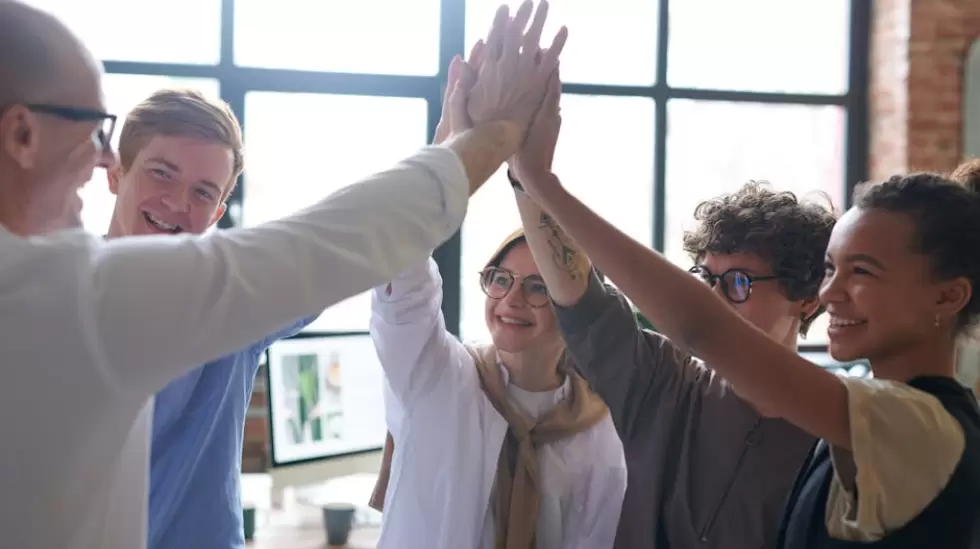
x=736 y=284
x=102 y=132
x=497 y=282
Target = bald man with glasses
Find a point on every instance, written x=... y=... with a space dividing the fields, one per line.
x=93 y=328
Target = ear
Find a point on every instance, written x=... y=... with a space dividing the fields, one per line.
x=808 y=308
x=954 y=295
x=114 y=175
x=218 y=213
x=20 y=136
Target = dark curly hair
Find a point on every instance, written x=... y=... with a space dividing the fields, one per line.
x=946 y=212
x=789 y=234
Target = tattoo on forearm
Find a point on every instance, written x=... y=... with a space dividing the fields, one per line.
x=564 y=254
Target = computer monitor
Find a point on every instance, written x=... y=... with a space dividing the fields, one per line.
x=325 y=409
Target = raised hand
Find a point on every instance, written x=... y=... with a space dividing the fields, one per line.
x=532 y=163
x=514 y=72
x=462 y=76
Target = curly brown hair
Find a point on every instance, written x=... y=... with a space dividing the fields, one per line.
x=789 y=234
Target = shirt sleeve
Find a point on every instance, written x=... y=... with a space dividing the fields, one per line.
x=904 y=449
x=409 y=331
x=155 y=307
x=625 y=364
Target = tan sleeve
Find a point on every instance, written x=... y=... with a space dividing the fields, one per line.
x=904 y=449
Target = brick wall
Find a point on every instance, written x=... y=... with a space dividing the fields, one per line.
x=919 y=49
x=255 y=452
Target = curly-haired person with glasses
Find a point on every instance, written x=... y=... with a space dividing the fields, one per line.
x=706 y=469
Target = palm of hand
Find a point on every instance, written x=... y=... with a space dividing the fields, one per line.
x=535 y=157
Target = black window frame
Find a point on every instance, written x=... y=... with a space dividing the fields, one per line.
x=236 y=81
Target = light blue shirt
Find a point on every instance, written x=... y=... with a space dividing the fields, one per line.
x=198 y=424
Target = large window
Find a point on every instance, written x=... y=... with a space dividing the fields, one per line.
x=654 y=121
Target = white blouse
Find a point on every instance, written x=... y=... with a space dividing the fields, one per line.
x=448 y=437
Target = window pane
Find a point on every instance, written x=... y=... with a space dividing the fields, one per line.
x=760 y=45
x=623 y=30
x=302 y=147
x=121 y=30
x=715 y=147
x=123 y=92
x=604 y=156
x=366 y=36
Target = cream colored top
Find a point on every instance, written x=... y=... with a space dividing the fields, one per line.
x=905 y=447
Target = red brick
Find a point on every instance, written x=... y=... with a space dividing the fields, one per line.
x=916 y=104
x=258 y=401
x=256 y=429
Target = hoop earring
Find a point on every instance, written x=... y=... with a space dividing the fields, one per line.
x=936 y=322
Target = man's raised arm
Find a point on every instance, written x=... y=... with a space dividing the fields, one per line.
x=157 y=307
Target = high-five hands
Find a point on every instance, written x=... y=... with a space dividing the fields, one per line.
x=532 y=163
x=514 y=72
x=462 y=76
x=505 y=79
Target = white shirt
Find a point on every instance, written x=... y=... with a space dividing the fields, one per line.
x=92 y=329
x=448 y=437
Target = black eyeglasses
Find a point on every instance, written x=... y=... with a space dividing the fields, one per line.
x=102 y=132
x=736 y=284
x=497 y=282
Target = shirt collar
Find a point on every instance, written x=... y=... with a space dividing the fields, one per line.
x=559 y=395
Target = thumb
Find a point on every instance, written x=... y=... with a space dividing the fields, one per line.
x=549 y=110
x=455 y=67
x=552 y=96
x=459 y=118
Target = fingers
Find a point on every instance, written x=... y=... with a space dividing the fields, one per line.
x=459 y=119
x=552 y=97
x=551 y=103
x=455 y=69
x=515 y=31
x=532 y=40
x=467 y=76
x=550 y=58
x=475 y=58
x=495 y=39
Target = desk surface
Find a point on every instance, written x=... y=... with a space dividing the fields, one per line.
x=301 y=527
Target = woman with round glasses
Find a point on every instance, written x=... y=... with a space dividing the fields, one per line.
x=496 y=445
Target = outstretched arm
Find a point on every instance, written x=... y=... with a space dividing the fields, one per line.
x=417 y=354
x=154 y=308
x=564 y=266
x=619 y=359
x=775 y=380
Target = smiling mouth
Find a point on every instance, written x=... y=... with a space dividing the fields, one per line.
x=510 y=321
x=161 y=225
x=838 y=323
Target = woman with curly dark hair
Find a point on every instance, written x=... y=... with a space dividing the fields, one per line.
x=898 y=463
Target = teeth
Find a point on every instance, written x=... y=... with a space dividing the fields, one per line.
x=844 y=322
x=508 y=320
x=160 y=224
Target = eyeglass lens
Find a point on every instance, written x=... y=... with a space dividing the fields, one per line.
x=496 y=283
x=735 y=284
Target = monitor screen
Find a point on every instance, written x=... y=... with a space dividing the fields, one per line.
x=326 y=397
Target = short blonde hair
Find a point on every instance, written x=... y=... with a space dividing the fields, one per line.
x=182 y=113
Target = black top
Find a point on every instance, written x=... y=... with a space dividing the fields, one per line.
x=951 y=521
